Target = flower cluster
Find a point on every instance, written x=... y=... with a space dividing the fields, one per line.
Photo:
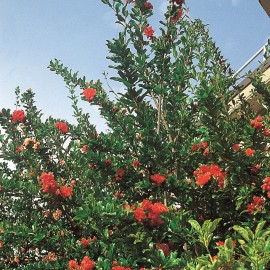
x=148 y=5
x=120 y=172
x=266 y=186
x=150 y=212
x=204 y=174
x=257 y=204
x=86 y=241
x=250 y=152
x=86 y=264
x=62 y=126
x=49 y=185
x=18 y=116
x=258 y=125
x=158 y=178
x=89 y=94
x=202 y=145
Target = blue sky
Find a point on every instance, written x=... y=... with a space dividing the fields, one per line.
x=32 y=32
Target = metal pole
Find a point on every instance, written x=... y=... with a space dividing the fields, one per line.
x=262 y=49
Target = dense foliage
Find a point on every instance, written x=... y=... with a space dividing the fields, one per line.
x=181 y=180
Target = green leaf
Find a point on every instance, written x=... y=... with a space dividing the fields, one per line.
x=259 y=228
x=243 y=232
x=195 y=225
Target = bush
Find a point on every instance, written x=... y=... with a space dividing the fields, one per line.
x=177 y=182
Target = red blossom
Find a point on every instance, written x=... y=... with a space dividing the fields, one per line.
x=203 y=179
x=108 y=162
x=87 y=264
x=266 y=184
x=250 y=152
x=203 y=145
x=49 y=185
x=65 y=192
x=85 y=242
x=257 y=123
x=204 y=174
x=255 y=205
x=18 y=116
x=120 y=172
x=20 y=148
x=158 y=178
x=146 y=204
x=158 y=208
x=72 y=265
x=62 y=126
x=84 y=149
x=148 y=5
x=89 y=93
x=155 y=219
x=220 y=243
x=139 y=214
x=236 y=147
x=194 y=147
x=136 y=163
x=266 y=132
x=148 y=31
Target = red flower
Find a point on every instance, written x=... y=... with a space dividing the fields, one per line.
x=220 y=243
x=146 y=205
x=87 y=264
x=255 y=205
x=63 y=127
x=148 y=5
x=89 y=94
x=194 y=147
x=266 y=184
x=136 y=163
x=258 y=200
x=72 y=265
x=139 y=214
x=158 y=178
x=203 y=179
x=266 y=132
x=20 y=148
x=49 y=185
x=65 y=191
x=250 y=152
x=236 y=147
x=120 y=172
x=257 y=123
x=108 y=162
x=84 y=149
x=203 y=145
x=18 y=116
x=159 y=208
x=148 y=31
x=155 y=219
x=178 y=16
x=165 y=248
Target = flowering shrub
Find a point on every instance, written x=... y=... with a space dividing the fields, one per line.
x=176 y=173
